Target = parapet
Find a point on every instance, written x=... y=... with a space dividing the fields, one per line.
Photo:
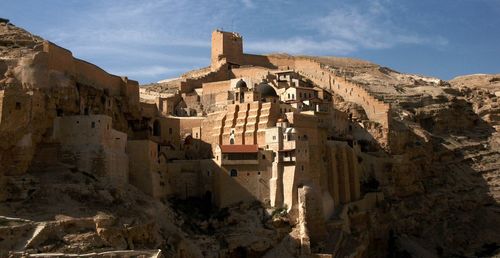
x=60 y=59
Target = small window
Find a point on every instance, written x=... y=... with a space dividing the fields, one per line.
x=258 y=173
x=196 y=135
x=18 y=105
x=274 y=137
x=263 y=156
x=170 y=130
x=302 y=167
x=77 y=122
x=92 y=125
x=234 y=173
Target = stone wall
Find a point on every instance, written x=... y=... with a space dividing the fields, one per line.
x=253 y=72
x=228 y=45
x=375 y=109
x=216 y=93
x=251 y=182
x=62 y=60
x=90 y=143
x=15 y=109
x=2 y=94
x=219 y=74
x=192 y=178
x=145 y=173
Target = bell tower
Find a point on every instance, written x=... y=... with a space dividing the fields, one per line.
x=227 y=45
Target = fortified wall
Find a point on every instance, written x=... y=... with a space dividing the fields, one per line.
x=375 y=109
x=62 y=60
x=219 y=73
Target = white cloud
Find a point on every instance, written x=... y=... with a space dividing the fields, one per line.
x=137 y=31
x=370 y=27
x=248 y=3
x=299 y=45
x=138 y=54
x=347 y=29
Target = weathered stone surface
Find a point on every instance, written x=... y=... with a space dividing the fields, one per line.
x=425 y=152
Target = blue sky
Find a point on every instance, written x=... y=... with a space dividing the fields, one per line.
x=157 y=39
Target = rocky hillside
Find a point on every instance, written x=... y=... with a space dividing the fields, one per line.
x=443 y=186
x=441 y=182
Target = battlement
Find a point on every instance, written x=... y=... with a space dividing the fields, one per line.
x=62 y=60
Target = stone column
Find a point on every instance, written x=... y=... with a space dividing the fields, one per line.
x=334 y=177
x=305 y=242
x=344 y=187
x=276 y=185
x=353 y=175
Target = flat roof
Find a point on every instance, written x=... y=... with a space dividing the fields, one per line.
x=239 y=148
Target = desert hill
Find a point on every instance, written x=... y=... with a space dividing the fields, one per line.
x=429 y=162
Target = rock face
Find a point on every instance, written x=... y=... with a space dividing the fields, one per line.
x=431 y=170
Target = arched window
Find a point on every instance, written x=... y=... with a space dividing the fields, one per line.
x=234 y=173
x=231 y=141
x=156 y=128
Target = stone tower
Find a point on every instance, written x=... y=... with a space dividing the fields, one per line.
x=228 y=45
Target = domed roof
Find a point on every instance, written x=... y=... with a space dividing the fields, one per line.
x=241 y=84
x=266 y=90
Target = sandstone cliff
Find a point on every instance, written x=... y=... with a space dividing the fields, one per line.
x=439 y=173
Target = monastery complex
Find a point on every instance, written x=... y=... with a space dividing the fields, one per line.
x=315 y=150
x=248 y=128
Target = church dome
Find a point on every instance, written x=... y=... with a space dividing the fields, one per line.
x=266 y=90
x=241 y=84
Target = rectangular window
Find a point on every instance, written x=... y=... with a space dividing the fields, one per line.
x=18 y=105
x=274 y=137
x=92 y=125
x=170 y=130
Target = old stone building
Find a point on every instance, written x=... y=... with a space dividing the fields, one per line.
x=91 y=143
x=247 y=129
